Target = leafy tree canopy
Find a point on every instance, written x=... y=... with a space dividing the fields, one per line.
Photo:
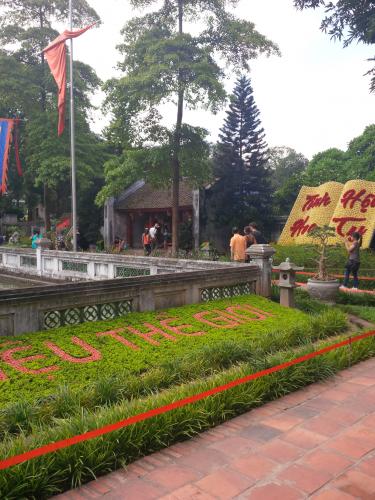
x=347 y=20
x=357 y=162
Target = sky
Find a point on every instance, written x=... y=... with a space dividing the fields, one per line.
x=312 y=98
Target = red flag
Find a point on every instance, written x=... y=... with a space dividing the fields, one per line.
x=56 y=57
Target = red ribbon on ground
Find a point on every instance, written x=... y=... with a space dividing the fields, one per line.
x=65 y=443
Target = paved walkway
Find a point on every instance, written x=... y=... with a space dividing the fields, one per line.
x=316 y=443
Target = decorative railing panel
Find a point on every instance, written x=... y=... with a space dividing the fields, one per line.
x=77 y=267
x=28 y=261
x=77 y=315
x=225 y=292
x=129 y=272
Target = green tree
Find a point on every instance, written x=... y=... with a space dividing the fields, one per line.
x=347 y=20
x=165 y=62
x=286 y=168
x=243 y=190
x=357 y=162
x=361 y=156
x=26 y=27
x=329 y=165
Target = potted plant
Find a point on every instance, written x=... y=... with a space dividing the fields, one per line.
x=322 y=286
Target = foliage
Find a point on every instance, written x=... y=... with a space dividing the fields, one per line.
x=241 y=192
x=201 y=361
x=357 y=162
x=348 y=20
x=114 y=354
x=62 y=470
x=305 y=255
x=364 y=312
x=28 y=90
x=321 y=236
x=163 y=62
x=286 y=168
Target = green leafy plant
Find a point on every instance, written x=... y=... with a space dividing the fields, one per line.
x=321 y=236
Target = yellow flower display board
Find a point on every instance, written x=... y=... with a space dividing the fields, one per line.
x=346 y=207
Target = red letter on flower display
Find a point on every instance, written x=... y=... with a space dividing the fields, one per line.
x=178 y=329
x=259 y=314
x=115 y=335
x=220 y=320
x=95 y=355
x=151 y=333
x=18 y=364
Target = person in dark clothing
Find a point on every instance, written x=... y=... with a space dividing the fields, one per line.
x=353 y=263
x=259 y=239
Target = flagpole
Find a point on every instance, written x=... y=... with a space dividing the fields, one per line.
x=72 y=136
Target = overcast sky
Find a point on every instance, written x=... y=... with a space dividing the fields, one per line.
x=311 y=98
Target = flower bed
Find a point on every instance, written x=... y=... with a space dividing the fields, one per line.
x=34 y=365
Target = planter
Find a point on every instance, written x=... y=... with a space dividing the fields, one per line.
x=323 y=290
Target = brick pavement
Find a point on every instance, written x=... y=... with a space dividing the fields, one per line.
x=316 y=443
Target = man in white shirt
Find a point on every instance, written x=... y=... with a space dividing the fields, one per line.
x=152 y=233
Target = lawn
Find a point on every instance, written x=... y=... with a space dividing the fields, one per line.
x=35 y=365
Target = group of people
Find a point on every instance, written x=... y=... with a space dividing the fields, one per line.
x=239 y=243
x=155 y=237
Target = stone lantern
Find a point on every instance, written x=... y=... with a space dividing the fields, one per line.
x=287 y=282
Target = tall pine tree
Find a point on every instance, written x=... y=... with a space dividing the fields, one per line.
x=242 y=191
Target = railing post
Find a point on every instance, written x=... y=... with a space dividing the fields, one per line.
x=42 y=244
x=261 y=255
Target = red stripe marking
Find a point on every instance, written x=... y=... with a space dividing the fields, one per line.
x=65 y=443
x=305 y=273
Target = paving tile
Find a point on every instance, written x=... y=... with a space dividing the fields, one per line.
x=335 y=394
x=305 y=478
x=326 y=461
x=273 y=491
x=136 y=490
x=283 y=421
x=343 y=415
x=303 y=438
x=351 y=447
x=357 y=484
x=333 y=494
x=366 y=381
x=322 y=403
x=255 y=466
x=303 y=411
x=225 y=483
x=280 y=451
x=234 y=446
x=323 y=425
x=204 y=460
x=260 y=432
x=188 y=492
x=367 y=466
x=172 y=476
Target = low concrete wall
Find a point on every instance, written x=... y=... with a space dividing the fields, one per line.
x=81 y=266
x=46 y=307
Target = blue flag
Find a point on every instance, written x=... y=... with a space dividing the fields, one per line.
x=6 y=127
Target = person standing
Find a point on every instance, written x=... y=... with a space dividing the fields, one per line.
x=258 y=237
x=237 y=246
x=35 y=238
x=353 y=263
x=154 y=236
x=146 y=241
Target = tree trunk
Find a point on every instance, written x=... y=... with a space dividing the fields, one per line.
x=176 y=146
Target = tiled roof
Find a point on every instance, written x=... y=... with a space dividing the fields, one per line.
x=148 y=197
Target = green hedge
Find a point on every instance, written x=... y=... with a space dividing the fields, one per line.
x=42 y=477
